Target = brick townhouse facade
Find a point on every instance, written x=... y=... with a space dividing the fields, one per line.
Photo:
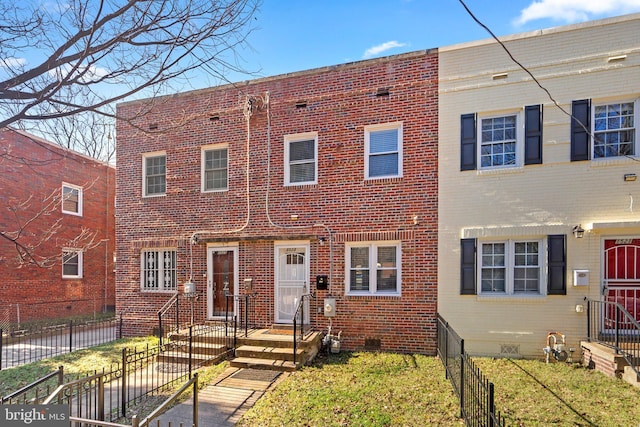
x=60 y=204
x=321 y=181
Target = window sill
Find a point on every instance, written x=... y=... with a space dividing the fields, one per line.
x=158 y=291
x=511 y=298
x=373 y=295
x=500 y=171
x=613 y=161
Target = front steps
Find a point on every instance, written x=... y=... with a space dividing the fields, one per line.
x=260 y=349
x=206 y=349
x=273 y=349
x=604 y=359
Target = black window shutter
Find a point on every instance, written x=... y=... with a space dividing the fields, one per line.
x=467 y=142
x=533 y=135
x=467 y=266
x=580 y=130
x=557 y=264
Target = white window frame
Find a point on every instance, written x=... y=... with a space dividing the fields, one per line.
x=510 y=267
x=288 y=139
x=373 y=268
x=636 y=127
x=160 y=268
x=78 y=253
x=74 y=188
x=519 y=139
x=367 y=149
x=205 y=149
x=145 y=157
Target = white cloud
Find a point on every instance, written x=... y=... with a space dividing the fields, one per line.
x=12 y=62
x=568 y=11
x=375 y=50
x=91 y=74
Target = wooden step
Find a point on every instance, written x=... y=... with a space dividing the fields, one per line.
x=275 y=353
x=256 y=363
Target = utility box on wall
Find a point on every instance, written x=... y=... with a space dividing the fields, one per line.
x=330 y=307
x=580 y=277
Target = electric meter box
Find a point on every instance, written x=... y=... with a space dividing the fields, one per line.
x=330 y=307
x=580 y=277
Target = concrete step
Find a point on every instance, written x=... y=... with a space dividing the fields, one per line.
x=630 y=376
x=256 y=363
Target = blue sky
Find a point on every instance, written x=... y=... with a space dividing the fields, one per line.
x=294 y=35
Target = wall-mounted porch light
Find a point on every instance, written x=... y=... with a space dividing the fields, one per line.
x=578 y=231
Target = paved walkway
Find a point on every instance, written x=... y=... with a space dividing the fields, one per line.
x=225 y=400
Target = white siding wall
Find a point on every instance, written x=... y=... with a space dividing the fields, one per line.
x=534 y=200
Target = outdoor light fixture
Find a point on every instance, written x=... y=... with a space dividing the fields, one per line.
x=629 y=177
x=578 y=232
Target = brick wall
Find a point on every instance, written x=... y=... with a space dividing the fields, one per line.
x=32 y=172
x=337 y=103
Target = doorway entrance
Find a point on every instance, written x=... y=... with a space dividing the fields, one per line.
x=622 y=276
x=222 y=267
x=292 y=279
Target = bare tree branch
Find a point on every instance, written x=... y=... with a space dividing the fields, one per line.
x=93 y=53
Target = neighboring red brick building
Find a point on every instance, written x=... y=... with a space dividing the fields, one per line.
x=59 y=205
x=266 y=185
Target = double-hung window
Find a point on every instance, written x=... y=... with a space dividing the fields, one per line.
x=373 y=268
x=511 y=267
x=154 y=170
x=614 y=129
x=71 y=264
x=383 y=151
x=215 y=172
x=300 y=159
x=498 y=141
x=158 y=270
x=71 y=199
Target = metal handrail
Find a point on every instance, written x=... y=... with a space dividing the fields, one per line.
x=170 y=303
x=299 y=312
x=629 y=334
x=59 y=373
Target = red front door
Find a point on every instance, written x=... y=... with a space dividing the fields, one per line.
x=222 y=282
x=622 y=276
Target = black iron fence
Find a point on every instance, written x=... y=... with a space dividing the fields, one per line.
x=475 y=392
x=19 y=346
x=610 y=324
x=141 y=374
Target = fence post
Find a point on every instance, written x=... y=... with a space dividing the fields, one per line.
x=71 y=336
x=190 y=348
x=134 y=421
x=446 y=350
x=492 y=408
x=195 y=400
x=462 y=379
x=588 y=320
x=617 y=309
x=60 y=375
x=1 y=334
x=101 y=398
x=123 y=390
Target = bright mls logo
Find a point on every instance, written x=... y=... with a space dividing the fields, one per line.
x=34 y=415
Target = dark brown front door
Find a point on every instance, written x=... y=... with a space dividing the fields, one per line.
x=222 y=282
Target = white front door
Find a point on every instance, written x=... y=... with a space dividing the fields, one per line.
x=292 y=279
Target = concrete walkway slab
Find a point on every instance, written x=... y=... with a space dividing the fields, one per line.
x=224 y=401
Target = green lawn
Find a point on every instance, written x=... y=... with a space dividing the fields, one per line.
x=381 y=389
x=386 y=389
